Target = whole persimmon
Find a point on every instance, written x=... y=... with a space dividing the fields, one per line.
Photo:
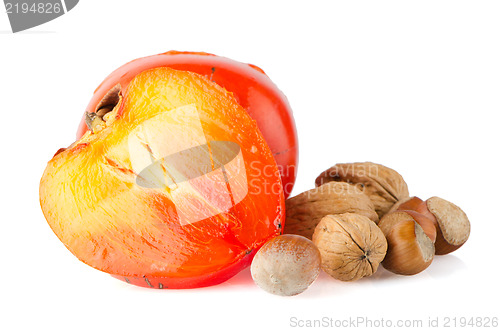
x=251 y=87
x=172 y=186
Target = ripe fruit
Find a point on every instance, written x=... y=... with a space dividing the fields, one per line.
x=173 y=187
x=251 y=87
x=286 y=265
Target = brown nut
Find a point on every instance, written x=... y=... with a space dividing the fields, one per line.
x=452 y=224
x=410 y=250
x=304 y=211
x=383 y=185
x=351 y=246
x=427 y=224
x=411 y=203
x=286 y=265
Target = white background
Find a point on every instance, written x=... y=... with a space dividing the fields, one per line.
x=413 y=85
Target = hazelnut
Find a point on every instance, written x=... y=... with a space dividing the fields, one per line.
x=411 y=203
x=428 y=224
x=286 y=265
x=383 y=185
x=410 y=250
x=351 y=246
x=451 y=223
x=304 y=211
x=453 y=226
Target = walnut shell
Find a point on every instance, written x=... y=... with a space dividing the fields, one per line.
x=383 y=185
x=351 y=246
x=304 y=211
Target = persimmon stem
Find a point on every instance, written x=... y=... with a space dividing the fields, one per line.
x=94 y=122
x=97 y=121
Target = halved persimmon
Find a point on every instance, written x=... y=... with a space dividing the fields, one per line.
x=173 y=186
x=251 y=87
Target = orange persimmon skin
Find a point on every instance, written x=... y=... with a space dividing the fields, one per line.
x=251 y=87
x=91 y=198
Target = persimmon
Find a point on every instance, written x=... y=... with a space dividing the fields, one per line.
x=251 y=87
x=172 y=186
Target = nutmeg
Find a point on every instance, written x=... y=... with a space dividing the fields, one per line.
x=351 y=246
x=410 y=250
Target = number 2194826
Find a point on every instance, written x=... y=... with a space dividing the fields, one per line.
x=35 y=8
x=479 y=322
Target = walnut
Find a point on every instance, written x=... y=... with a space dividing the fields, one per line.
x=304 y=211
x=383 y=185
x=351 y=246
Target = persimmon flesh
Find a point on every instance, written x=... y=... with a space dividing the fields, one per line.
x=175 y=188
x=251 y=87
